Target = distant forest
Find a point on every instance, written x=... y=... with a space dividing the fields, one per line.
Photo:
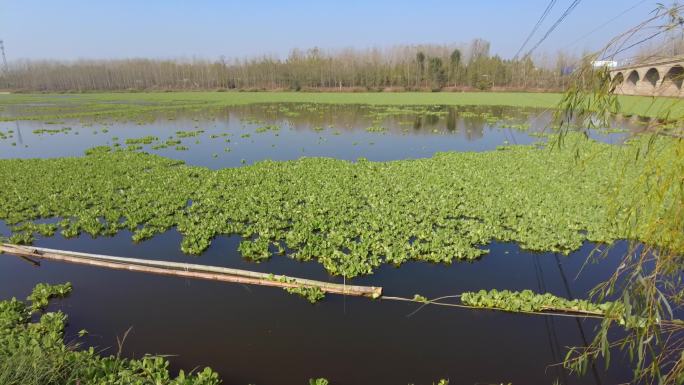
x=400 y=68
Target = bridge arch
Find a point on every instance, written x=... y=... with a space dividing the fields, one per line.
x=617 y=81
x=618 y=77
x=633 y=78
x=675 y=76
x=652 y=77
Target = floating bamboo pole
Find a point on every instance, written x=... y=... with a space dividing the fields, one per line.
x=187 y=270
x=223 y=274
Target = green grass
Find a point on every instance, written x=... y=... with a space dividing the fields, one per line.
x=132 y=104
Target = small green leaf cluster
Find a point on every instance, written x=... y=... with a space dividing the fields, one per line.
x=9 y=134
x=168 y=143
x=270 y=127
x=143 y=140
x=24 y=233
x=529 y=301
x=381 y=112
x=42 y=293
x=311 y=294
x=318 y=381
x=376 y=128
x=52 y=131
x=516 y=126
x=136 y=144
x=98 y=150
x=251 y=120
x=420 y=298
x=189 y=133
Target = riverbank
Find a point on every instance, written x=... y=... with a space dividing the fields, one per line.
x=64 y=106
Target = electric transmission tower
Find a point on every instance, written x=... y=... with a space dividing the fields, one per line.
x=4 y=58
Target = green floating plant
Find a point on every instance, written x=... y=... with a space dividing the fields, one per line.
x=43 y=292
x=352 y=217
x=311 y=294
x=529 y=301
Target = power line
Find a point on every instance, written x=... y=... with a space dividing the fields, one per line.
x=639 y=42
x=605 y=23
x=536 y=27
x=562 y=17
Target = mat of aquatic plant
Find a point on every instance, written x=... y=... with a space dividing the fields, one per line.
x=350 y=216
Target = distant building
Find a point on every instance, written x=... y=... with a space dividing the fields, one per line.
x=604 y=63
x=567 y=70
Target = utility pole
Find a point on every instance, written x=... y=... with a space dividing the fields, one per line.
x=4 y=58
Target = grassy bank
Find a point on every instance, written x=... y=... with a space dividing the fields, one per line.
x=47 y=106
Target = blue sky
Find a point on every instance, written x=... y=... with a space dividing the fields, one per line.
x=73 y=29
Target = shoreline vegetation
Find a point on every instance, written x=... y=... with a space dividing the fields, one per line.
x=46 y=106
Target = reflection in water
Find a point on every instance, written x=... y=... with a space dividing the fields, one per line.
x=580 y=327
x=431 y=120
x=473 y=128
x=451 y=120
x=235 y=136
x=18 y=131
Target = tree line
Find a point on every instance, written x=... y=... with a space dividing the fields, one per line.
x=422 y=67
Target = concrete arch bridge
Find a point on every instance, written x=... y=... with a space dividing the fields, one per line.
x=660 y=77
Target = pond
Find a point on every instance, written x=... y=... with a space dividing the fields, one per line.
x=246 y=134
x=262 y=335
